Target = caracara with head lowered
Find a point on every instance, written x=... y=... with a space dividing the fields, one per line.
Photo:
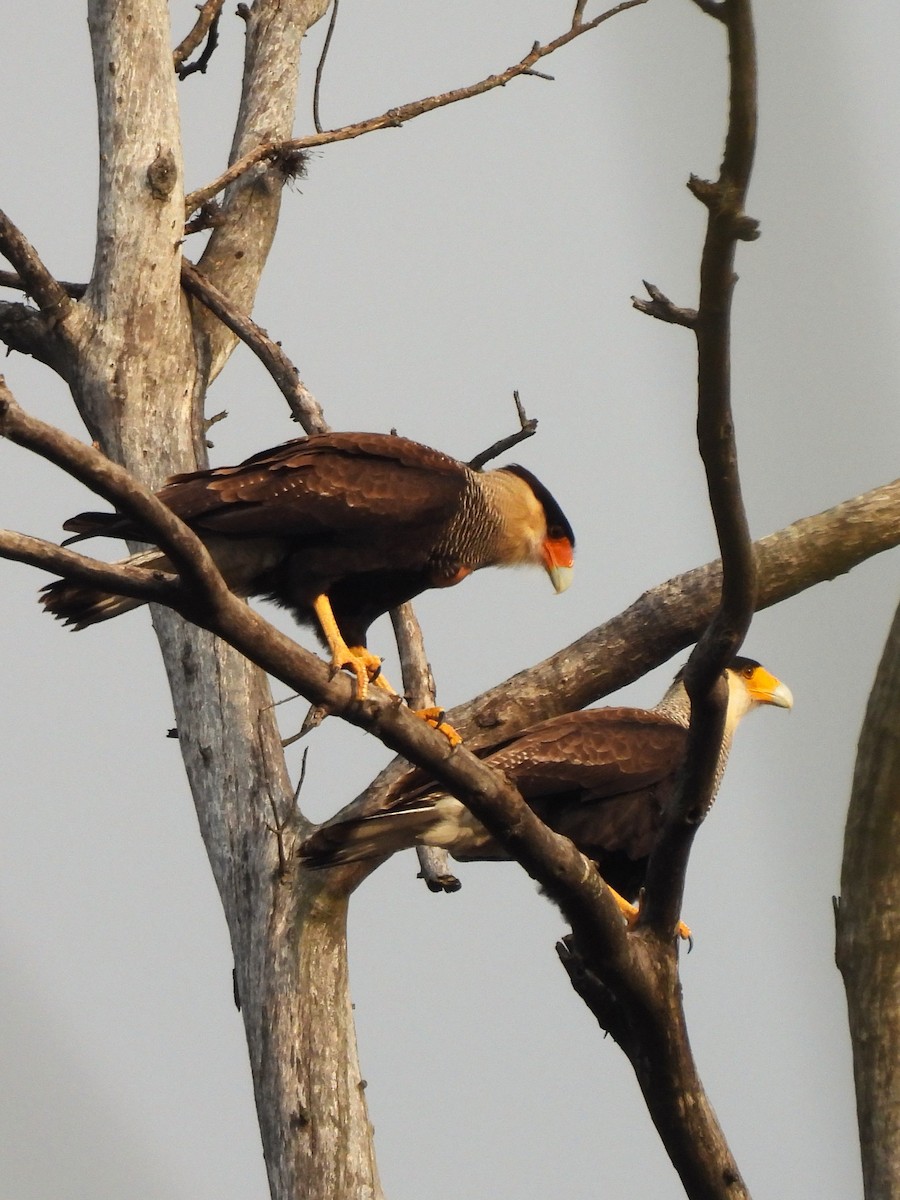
x=340 y=527
x=604 y=777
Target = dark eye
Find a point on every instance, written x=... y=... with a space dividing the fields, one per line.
x=556 y=532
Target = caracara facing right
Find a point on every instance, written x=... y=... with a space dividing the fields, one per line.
x=603 y=777
x=339 y=528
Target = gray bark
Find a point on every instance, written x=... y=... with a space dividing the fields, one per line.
x=139 y=374
x=868 y=928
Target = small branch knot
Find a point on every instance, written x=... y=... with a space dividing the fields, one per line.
x=746 y=229
x=707 y=193
x=162 y=174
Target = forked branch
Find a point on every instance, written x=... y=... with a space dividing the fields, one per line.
x=394 y=117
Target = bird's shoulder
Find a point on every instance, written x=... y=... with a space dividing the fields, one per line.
x=337 y=479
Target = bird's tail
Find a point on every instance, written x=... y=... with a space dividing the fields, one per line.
x=80 y=605
x=377 y=836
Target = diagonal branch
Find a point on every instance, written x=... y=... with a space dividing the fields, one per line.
x=668 y=617
x=304 y=407
x=92 y=468
x=284 y=150
x=527 y=428
x=155 y=587
x=47 y=293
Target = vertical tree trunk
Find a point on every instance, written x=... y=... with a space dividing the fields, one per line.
x=868 y=928
x=139 y=375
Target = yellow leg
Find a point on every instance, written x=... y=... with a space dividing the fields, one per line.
x=365 y=666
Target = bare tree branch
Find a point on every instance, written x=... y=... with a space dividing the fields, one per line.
x=527 y=428
x=12 y=279
x=715 y=434
x=660 y=306
x=273 y=151
x=25 y=330
x=46 y=292
x=653 y=1034
x=239 y=246
x=155 y=587
x=303 y=405
x=206 y=26
x=419 y=689
x=188 y=554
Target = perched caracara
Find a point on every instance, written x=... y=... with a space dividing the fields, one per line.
x=603 y=777
x=339 y=528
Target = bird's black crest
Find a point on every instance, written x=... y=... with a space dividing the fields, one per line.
x=738 y=663
x=557 y=522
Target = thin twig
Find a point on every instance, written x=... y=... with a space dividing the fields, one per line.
x=394 y=117
x=527 y=428
x=419 y=689
x=285 y=822
x=578 y=14
x=320 y=67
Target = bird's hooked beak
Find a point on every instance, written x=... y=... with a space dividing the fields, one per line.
x=764 y=688
x=558 y=559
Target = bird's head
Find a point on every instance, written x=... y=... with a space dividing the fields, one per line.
x=549 y=535
x=750 y=685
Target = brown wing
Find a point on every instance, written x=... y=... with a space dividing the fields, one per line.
x=339 y=483
x=336 y=483
x=599 y=753
x=604 y=779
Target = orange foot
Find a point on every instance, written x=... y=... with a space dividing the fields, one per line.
x=631 y=912
x=435 y=718
x=431 y=716
x=365 y=666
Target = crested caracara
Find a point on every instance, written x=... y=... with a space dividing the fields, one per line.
x=603 y=777
x=340 y=527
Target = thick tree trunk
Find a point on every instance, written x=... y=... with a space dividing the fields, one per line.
x=139 y=374
x=868 y=928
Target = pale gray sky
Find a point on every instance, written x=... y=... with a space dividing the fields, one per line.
x=419 y=276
